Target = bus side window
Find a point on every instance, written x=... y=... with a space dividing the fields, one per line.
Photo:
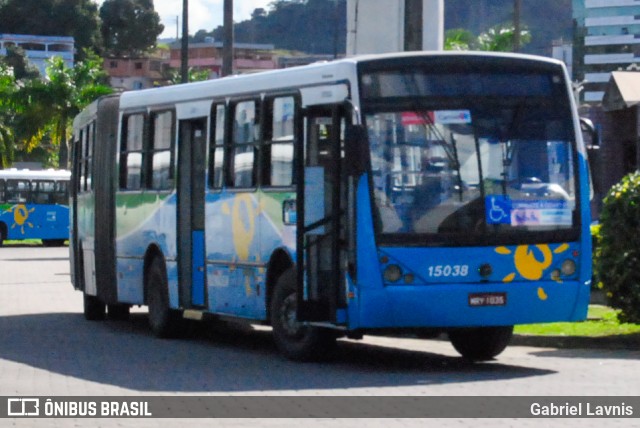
x=131 y=152
x=217 y=147
x=163 y=128
x=279 y=136
x=245 y=138
x=2 y=195
x=18 y=191
x=61 y=193
x=43 y=191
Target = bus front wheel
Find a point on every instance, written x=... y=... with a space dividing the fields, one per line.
x=94 y=308
x=163 y=321
x=294 y=339
x=481 y=343
x=118 y=312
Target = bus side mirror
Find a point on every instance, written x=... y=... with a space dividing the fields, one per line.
x=589 y=132
x=592 y=142
x=356 y=150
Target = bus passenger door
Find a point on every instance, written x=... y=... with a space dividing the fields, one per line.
x=190 y=219
x=320 y=215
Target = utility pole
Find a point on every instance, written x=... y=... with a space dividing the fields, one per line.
x=227 y=43
x=184 y=51
x=516 y=24
x=413 y=22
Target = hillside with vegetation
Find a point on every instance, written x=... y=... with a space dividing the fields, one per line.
x=319 y=26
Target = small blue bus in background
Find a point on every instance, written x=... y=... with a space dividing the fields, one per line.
x=34 y=204
x=421 y=192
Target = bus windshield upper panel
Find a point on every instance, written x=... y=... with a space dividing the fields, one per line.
x=471 y=159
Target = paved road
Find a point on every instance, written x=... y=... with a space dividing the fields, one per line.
x=48 y=349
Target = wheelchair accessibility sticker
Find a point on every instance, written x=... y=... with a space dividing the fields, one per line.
x=500 y=209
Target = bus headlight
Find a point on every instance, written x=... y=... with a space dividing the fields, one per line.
x=568 y=267
x=392 y=273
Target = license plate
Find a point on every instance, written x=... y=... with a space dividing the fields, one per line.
x=487 y=299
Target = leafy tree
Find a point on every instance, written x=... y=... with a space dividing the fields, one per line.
x=15 y=74
x=22 y=69
x=47 y=106
x=7 y=89
x=129 y=27
x=500 y=38
x=618 y=252
x=75 y=18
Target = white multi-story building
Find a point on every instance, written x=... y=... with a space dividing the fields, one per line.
x=38 y=49
x=610 y=30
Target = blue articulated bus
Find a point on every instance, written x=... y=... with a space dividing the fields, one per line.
x=426 y=192
x=34 y=204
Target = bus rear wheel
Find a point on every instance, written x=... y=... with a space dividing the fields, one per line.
x=294 y=339
x=481 y=343
x=163 y=321
x=94 y=308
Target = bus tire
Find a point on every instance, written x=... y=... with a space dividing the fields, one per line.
x=481 y=343
x=94 y=308
x=118 y=312
x=3 y=233
x=294 y=340
x=163 y=321
x=53 y=242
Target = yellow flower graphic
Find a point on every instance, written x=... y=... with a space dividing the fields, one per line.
x=20 y=216
x=528 y=265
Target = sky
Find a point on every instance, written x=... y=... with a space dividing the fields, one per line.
x=203 y=14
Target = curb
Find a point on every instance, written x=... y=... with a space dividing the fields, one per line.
x=620 y=342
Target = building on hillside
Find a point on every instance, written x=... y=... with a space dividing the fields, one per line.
x=126 y=74
x=38 y=49
x=607 y=39
x=247 y=57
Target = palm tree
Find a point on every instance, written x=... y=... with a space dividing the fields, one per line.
x=51 y=104
x=458 y=39
x=499 y=38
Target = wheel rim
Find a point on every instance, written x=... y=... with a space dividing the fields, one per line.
x=290 y=325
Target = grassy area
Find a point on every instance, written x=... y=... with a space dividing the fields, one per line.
x=24 y=242
x=601 y=322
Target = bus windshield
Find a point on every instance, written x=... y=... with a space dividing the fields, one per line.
x=471 y=160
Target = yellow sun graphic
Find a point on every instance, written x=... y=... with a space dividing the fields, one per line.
x=20 y=216
x=244 y=232
x=529 y=266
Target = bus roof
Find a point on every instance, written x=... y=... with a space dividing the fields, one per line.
x=30 y=174
x=321 y=73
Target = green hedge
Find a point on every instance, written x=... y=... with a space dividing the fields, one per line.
x=617 y=248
